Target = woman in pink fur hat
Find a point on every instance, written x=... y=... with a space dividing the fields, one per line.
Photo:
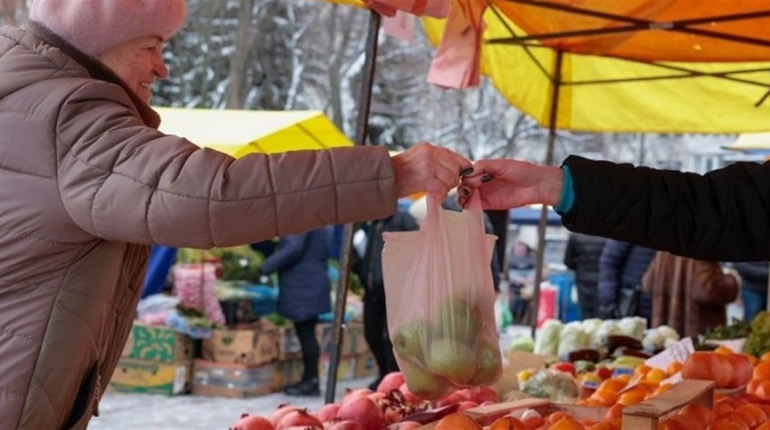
x=88 y=184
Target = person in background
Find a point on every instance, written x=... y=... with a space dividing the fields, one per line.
x=582 y=256
x=304 y=293
x=88 y=184
x=621 y=268
x=753 y=287
x=369 y=269
x=521 y=267
x=688 y=295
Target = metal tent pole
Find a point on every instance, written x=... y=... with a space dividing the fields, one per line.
x=539 y=256
x=362 y=124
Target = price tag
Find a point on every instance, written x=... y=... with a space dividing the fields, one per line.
x=678 y=351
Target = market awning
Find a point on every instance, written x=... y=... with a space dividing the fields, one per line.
x=751 y=143
x=241 y=132
x=633 y=65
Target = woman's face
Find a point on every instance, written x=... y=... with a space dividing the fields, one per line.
x=138 y=63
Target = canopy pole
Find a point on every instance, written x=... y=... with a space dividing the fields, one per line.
x=362 y=124
x=539 y=256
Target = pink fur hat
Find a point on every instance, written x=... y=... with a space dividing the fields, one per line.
x=96 y=26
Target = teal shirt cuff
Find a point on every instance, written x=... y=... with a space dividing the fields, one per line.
x=567 y=198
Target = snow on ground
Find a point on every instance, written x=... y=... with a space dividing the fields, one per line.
x=125 y=411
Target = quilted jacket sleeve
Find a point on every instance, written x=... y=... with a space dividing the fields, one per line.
x=722 y=215
x=121 y=180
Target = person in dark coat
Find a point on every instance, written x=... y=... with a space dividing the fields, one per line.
x=304 y=293
x=753 y=287
x=369 y=270
x=582 y=257
x=689 y=295
x=621 y=268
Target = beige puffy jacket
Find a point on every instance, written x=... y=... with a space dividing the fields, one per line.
x=87 y=184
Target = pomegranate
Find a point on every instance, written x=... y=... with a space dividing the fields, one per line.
x=346 y=425
x=484 y=394
x=466 y=404
x=279 y=412
x=298 y=417
x=327 y=412
x=252 y=422
x=391 y=381
x=409 y=397
x=356 y=392
x=364 y=411
x=393 y=414
x=452 y=398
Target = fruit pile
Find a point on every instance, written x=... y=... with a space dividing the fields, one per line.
x=392 y=406
x=447 y=352
x=730 y=413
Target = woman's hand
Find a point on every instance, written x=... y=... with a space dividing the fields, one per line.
x=425 y=167
x=506 y=183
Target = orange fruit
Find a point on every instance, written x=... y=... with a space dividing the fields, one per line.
x=632 y=396
x=726 y=424
x=762 y=370
x=765 y=426
x=722 y=407
x=566 y=423
x=557 y=416
x=721 y=349
x=762 y=389
x=507 y=423
x=457 y=421
x=701 y=415
x=662 y=388
x=675 y=422
x=754 y=410
x=673 y=367
x=601 y=426
x=605 y=397
x=739 y=415
x=613 y=384
x=765 y=357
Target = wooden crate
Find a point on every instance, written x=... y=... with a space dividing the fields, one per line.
x=543 y=406
x=647 y=414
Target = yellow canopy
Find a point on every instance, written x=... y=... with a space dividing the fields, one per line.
x=752 y=143
x=241 y=132
x=631 y=65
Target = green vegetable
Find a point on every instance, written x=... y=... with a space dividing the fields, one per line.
x=736 y=330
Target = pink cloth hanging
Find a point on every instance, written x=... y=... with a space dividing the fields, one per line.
x=458 y=58
x=434 y=8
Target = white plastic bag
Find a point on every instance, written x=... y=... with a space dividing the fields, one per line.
x=440 y=300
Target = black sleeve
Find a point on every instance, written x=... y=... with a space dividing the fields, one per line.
x=723 y=215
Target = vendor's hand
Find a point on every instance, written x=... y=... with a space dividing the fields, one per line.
x=506 y=184
x=425 y=167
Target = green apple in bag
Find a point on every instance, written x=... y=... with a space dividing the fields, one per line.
x=422 y=383
x=411 y=338
x=452 y=359
x=459 y=318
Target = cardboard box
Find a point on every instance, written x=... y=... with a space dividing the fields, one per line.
x=288 y=372
x=353 y=340
x=345 y=370
x=234 y=380
x=366 y=366
x=141 y=376
x=159 y=344
x=249 y=346
x=288 y=344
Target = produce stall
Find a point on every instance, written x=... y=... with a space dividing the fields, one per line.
x=648 y=382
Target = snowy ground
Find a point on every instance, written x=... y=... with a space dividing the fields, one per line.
x=126 y=411
x=123 y=411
